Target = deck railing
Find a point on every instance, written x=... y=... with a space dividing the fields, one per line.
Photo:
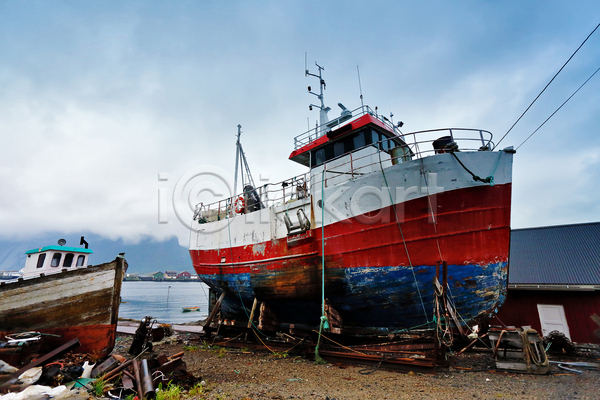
x=349 y=166
x=270 y=194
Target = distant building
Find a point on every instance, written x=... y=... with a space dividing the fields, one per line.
x=554 y=281
x=170 y=275
x=131 y=277
x=184 y=276
x=158 y=276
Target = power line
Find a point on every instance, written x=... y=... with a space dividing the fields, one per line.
x=555 y=75
x=565 y=102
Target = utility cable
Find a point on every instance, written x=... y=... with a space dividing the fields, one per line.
x=393 y=206
x=551 y=115
x=561 y=68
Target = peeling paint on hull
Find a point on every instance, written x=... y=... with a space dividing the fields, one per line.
x=369 y=278
x=81 y=303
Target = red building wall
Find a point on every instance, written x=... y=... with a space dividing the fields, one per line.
x=520 y=308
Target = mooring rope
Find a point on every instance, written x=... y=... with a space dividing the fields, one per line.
x=489 y=179
x=323 y=320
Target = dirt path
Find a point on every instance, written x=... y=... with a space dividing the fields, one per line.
x=236 y=374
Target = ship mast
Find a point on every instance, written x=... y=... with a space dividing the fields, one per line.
x=323 y=119
x=240 y=157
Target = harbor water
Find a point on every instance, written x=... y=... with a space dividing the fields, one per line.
x=164 y=301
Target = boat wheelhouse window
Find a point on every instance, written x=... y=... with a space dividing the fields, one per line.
x=56 y=260
x=80 y=260
x=358 y=140
x=340 y=147
x=41 y=259
x=68 y=260
x=387 y=144
x=319 y=156
x=375 y=138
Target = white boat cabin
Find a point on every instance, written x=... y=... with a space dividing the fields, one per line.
x=51 y=259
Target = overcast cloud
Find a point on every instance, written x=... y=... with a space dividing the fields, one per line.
x=99 y=98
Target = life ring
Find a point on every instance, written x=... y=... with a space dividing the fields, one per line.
x=239 y=205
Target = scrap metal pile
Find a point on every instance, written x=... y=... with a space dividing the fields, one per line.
x=25 y=374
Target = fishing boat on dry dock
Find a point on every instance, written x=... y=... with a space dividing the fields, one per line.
x=357 y=238
x=62 y=297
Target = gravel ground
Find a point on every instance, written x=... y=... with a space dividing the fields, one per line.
x=235 y=374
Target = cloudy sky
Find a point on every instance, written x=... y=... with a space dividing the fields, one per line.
x=108 y=108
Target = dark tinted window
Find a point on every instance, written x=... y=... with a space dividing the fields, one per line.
x=319 y=156
x=343 y=146
x=358 y=140
x=375 y=137
x=41 y=259
x=68 y=260
x=338 y=149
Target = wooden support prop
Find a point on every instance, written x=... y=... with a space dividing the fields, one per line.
x=467 y=347
x=445 y=277
x=252 y=313
x=267 y=320
x=214 y=312
x=336 y=321
x=455 y=319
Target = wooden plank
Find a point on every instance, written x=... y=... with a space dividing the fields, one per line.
x=214 y=311
x=252 y=313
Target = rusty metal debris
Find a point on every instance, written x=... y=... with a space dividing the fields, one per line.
x=519 y=350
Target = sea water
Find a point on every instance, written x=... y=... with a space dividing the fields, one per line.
x=164 y=301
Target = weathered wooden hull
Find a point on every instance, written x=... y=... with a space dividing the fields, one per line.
x=81 y=303
x=379 y=265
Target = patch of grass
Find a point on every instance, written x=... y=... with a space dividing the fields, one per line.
x=98 y=387
x=205 y=346
x=172 y=392
x=279 y=354
x=221 y=353
x=197 y=390
x=190 y=348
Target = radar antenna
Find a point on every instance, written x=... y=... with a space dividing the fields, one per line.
x=323 y=119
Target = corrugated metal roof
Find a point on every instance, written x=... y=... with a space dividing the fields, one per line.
x=556 y=255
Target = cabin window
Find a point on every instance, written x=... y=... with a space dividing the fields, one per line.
x=338 y=149
x=343 y=146
x=375 y=138
x=56 y=260
x=41 y=259
x=68 y=260
x=387 y=144
x=359 y=140
x=319 y=156
x=80 y=260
